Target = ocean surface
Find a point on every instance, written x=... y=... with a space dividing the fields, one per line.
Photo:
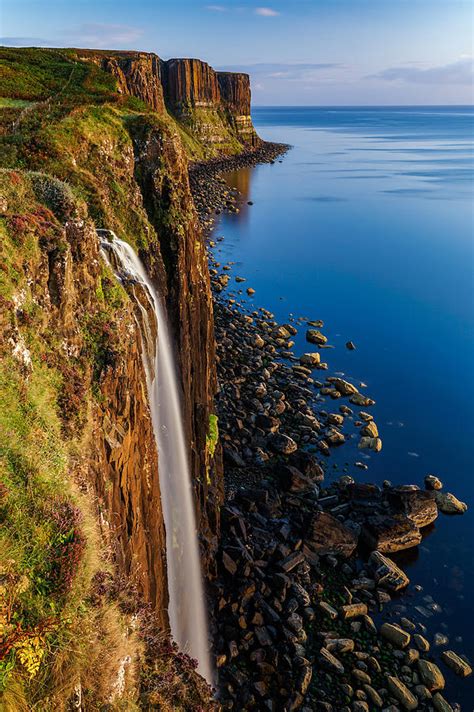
x=368 y=224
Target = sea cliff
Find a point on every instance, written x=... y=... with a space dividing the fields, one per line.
x=89 y=143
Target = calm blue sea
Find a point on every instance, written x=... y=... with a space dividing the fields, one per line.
x=368 y=224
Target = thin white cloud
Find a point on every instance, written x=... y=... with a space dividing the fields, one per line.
x=216 y=8
x=459 y=72
x=266 y=12
x=104 y=35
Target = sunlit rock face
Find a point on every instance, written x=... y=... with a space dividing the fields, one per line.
x=190 y=83
x=138 y=74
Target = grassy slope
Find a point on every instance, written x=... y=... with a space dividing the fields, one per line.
x=64 y=118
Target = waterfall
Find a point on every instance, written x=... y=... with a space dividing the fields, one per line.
x=187 y=610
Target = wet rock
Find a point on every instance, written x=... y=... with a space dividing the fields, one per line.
x=395 y=635
x=361 y=400
x=330 y=662
x=307 y=464
x=360 y=706
x=310 y=359
x=315 y=337
x=449 y=504
x=340 y=645
x=370 y=430
x=389 y=534
x=440 y=703
x=353 y=610
x=292 y=561
x=369 y=443
x=431 y=675
x=387 y=573
x=282 y=443
x=334 y=437
x=421 y=643
x=267 y=423
x=250 y=291
x=328 y=610
x=344 y=387
x=292 y=480
x=418 y=505
x=433 y=483
x=229 y=563
x=327 y=535
x=350 y=345
x=401 y=692
x=456 y=663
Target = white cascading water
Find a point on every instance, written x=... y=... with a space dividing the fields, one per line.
x=187 y=610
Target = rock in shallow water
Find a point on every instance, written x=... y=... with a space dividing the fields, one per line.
x=460 y=666
x=315 y=337
x=390 y=534
x=449 y=504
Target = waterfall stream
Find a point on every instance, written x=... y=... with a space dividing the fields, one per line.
x=187 y=610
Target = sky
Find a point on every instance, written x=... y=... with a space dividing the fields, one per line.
x=297 y=52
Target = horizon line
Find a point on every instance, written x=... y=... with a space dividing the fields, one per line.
x=360 y=106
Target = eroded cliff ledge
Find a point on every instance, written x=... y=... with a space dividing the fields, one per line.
x=213 y=107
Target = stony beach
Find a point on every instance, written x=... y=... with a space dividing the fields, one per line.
x=309 y=606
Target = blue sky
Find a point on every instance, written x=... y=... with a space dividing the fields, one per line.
x=307 y=52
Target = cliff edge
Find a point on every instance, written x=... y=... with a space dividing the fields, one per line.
x=91 y=140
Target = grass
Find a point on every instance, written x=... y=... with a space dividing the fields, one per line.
x=69 y=144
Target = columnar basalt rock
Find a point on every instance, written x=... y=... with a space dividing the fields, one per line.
x=181 y=245
x=236 y=97
x=190 y=83
x=138 y=74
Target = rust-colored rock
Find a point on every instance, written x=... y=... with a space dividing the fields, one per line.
x=327 y=535
x=138 y=74
x=190 y=83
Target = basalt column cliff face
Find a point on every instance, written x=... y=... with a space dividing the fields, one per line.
x=215 y=105
x=90 y=145
x=236 y=97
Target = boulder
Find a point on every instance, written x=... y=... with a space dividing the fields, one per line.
x=390 y=534
x=330 y=662
x=327 y=535
x=433 y=483
x=395 y=635
x=361 y=400
x=353 y=610
x=449 y=504
x=315 y=337
x=418 y=505
x=460 y=666
x=387 y=574
x=340 y=645
x=281 y=443
x=310 y=359
x=431 y=675
x=401 y=692
x=440 y=704
x=307 y=464
x=292 y=480
x=370 y=430
x=344 y=387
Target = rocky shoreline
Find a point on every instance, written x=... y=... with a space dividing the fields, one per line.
x=307 y=601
